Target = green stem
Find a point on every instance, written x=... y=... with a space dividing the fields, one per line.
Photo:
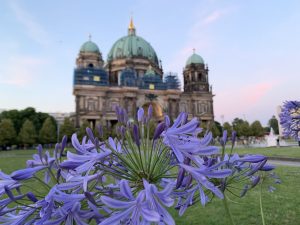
x=261 y=206
x=228 y=210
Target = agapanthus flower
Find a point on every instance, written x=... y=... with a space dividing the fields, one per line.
x=128 y=179
x=182 y=138
x=133 y=211
x=290 y=119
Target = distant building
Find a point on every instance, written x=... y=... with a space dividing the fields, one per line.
x=60 y=116
x=133 y=77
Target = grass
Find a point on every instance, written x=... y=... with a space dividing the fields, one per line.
x=284 y=152
x=280 y=207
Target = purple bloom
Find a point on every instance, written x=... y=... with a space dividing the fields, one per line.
x=16 y=217
x=84 y=162
x=140 y=114
x=136 y=135
x=290 y=119
x=224 y=138
x=267 y=167
x=134 y=211
x=202 y=174
x=159 y=129
x=253 y=158
x=25 y=174
x=69 y=214
x=154 y=199
x=40 y=159
x=182 y=139
x=87 y=157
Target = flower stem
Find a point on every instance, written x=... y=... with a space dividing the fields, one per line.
x=228 y=210
x=260 y=204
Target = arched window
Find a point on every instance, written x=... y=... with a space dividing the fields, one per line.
x=91 y=65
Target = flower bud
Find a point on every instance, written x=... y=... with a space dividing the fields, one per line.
x=31 y=197
x=136 y=135
x=140 y=114
x=180 y=177
x=100 y=130
x=159 y=129
x=150 y=111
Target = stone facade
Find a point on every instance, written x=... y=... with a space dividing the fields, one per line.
x=99 y=87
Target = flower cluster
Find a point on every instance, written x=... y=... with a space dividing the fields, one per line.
x=128 y=179
x=290 y=119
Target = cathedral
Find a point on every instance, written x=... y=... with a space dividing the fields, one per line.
x=133 y=77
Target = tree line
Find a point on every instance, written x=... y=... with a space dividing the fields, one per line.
x=26 y=128
x=244 y=128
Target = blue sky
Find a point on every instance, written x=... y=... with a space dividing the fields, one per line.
x=252 y=48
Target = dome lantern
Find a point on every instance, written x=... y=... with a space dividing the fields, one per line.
x=131 y=28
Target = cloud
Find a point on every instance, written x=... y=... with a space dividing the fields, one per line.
x=198 y=37
x=20 y=70
x=34 y=30
x=237 y=101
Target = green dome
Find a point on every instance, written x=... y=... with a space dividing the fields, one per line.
x=132 y=46
x=196 y=59
x=89 y=46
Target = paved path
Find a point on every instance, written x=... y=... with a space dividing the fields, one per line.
x=284 y=163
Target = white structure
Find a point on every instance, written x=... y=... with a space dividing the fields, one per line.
x=278 y=109
x=271 y=139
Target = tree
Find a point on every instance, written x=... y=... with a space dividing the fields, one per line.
x=241 y=127
x=7 y=133
x=67 y=128
x=273 y=122
x=47 y=134
x=216 y=129
x=257 y=129
x=27 y=135
x=82 y=130
x=228 y=127
x=18 y=117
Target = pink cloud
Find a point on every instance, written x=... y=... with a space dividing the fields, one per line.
x=236 y=102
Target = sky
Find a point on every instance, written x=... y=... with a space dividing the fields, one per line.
x=252 y=48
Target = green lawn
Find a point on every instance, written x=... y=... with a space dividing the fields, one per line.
x=281 y=207
x=290 y=152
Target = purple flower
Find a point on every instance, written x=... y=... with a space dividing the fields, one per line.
x=25 y=174
x=202 y=174
x=253 y=158
x=83 y=163
x=224 y=138
x=182 y=139
x=155 y=199
x=69 y=214
x=87 y=157
x=140 y=114
x=290 y=119
x=134 y=211
x=17 y=217
x=136 y=135
x=159 y=129
x=40 y=160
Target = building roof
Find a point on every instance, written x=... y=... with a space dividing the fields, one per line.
x=89 y=46
x=194 y=59
x=132 y=46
